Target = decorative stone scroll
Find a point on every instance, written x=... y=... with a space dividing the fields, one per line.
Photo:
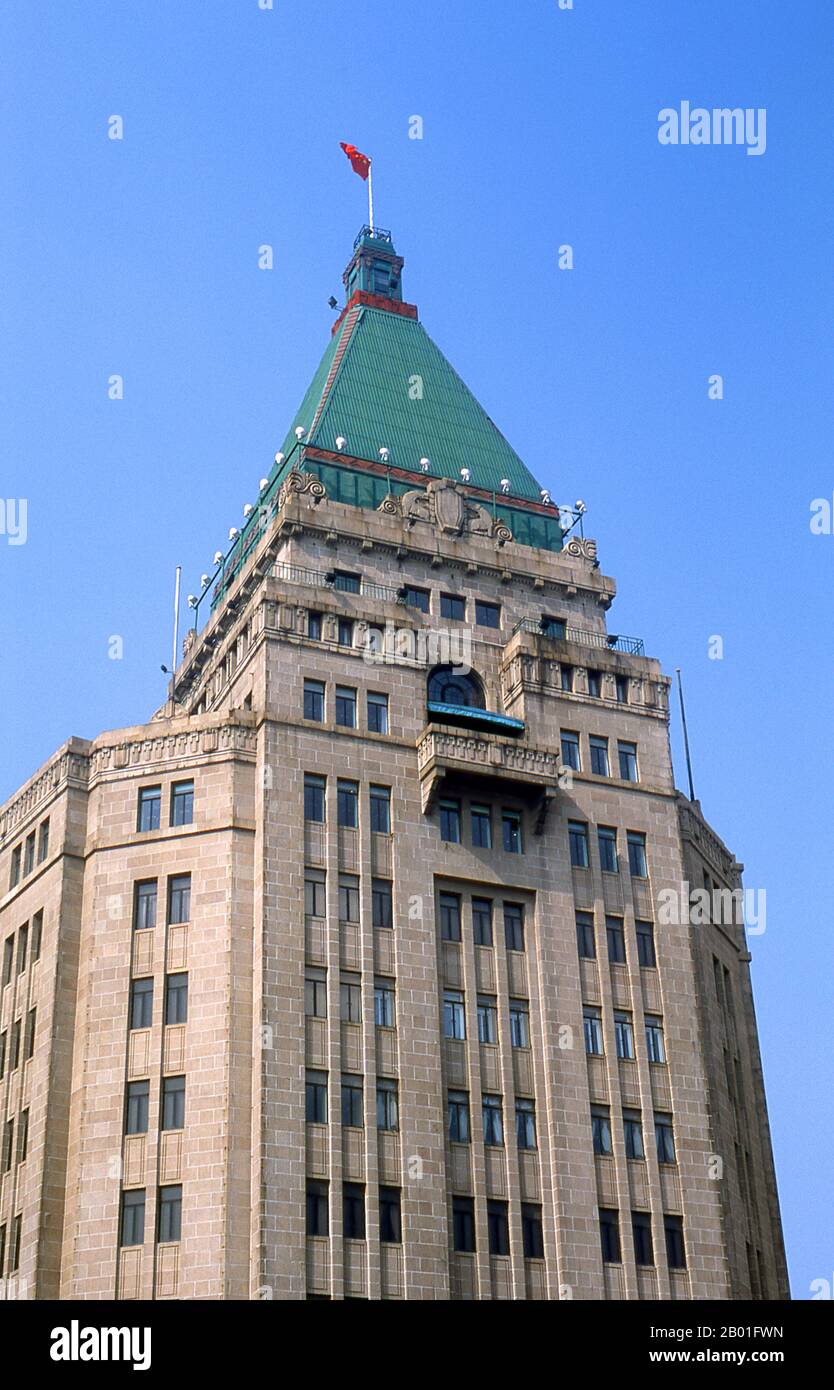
x=445 y=506
x=297 y=481
x=581 y=548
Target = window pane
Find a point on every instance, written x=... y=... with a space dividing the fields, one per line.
x=182 y=803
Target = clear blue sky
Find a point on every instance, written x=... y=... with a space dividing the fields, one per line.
x=139 y=258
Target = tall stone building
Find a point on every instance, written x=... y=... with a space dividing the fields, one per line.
x=352 y=973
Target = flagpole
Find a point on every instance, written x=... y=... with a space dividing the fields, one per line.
x=371 y=195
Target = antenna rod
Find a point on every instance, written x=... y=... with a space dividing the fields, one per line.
x=685 y=735
x=371 y=194
x=176 y=627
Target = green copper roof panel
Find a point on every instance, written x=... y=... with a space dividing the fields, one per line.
x=394 y=388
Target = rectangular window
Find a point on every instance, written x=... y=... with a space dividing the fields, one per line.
x=514 y=926
x=599 y=756
x=390 y=1217
x=353 y=1211
x=314 y=701
x=150 y=804
x=624 y=1035
x=487 y=614
x=511 y=831
x=525 y=1123
x=8 y=1145
x=377 y=713
x=654 y=1039
x=133 y=1217
x=481 y=821
x=463 y=1225
x=347 y=804
x=450 y=821
x=675 y=1251
x=315 y=893
x=454 y=1017
x=144 y=904
x=592 y=1021
x=345 y=706
x=3 y=1044
x=519 y=1023
x=641 y=1226
x=37 y=934
x=621 y=686
x=664 y=1138
x=29 y=1047
x=382 y=903
x=14 y=870
x=482 y=921
x=553 y=627
x=22 y=945
x=344 y=632
x=531 y=1231
x=14 y=1249
x=384 y=1004
x=316 y=1097
x=453 y=606
x=347 y=582
x=173 y=1102
x=381 y=810
x=585 y=935
x=353 y=1108
x=627 y=755
x=450 y=916
x=136 y=1107
x=578 y=841
x=615 y=934
x=314 y=626
x=459 y=1129
x=141 y=1003
x=570 y=751
x=348 y=898
x=487 y=1020
x=43 y=841
x=314 y=797
x=315 y=993
x=595 y=684
x=317 y=1208
x=179 y=899
x=350 y=999
x=8 y=958
x=14 y=1046
x=633 y=1134
x=387 y=1105
x=637 y=854
x=416 y=598
x=176 y=998
x=601 y=1131
x=29 y=854
x=493 y=1119
x=607 y=840
x=566 y=674
x=182 y=803
x=609 y=1230
x=645 y=944
x=22 y=1138
x=498 y=1227
x=170 y=1214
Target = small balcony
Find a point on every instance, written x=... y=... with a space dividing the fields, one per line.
x=562 y=632
x=484 y=763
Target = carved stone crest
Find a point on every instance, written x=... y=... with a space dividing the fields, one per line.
x=297 y=481
x=446 y=506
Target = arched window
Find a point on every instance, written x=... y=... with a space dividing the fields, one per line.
x=448 y=687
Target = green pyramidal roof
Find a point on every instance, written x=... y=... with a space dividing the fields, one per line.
x=383 y=383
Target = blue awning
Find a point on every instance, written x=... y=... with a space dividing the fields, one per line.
x=474 y=718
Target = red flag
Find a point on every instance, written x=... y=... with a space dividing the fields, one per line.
x=360 y=163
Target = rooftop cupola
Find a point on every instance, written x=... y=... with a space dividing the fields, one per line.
x=374 y=268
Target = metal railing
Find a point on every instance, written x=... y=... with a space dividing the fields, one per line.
x=324 y=579
x=614 y=642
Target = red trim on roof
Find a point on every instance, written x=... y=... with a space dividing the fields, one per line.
x=376 y=301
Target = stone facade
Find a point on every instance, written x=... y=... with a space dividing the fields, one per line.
x=285 y=941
